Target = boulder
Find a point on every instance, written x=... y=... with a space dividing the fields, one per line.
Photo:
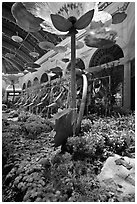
x=118 y=175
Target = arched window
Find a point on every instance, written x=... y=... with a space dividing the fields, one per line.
x=102 y=56
x=44 y=78
x=24 y=86
x=29 y=84
x=35 y=81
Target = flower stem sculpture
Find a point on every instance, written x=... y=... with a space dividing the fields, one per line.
x=71 y=25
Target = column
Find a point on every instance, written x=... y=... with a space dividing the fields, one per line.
x=127 y=86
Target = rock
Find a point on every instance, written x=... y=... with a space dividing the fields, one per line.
x=118 y=173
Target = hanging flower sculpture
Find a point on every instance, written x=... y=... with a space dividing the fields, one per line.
x=103 y=38
x=100 y=19
x=99 y=33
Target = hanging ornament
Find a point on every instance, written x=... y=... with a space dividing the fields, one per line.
x=65 y=60
x=32 y=65
x=34 y=54
x=60 y=49
x=16 y=38
x=45 y=45
x=100 y=19
x=102 y=38
x=9 y=55
x=79 y=45
x=118 y=17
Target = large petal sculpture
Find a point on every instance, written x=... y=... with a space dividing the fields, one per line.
x=62 y=9
x=25 y=19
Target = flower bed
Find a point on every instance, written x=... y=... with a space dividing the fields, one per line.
x=34 y=171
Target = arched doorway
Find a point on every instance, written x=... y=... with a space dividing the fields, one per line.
x=57 y=71
x=35 y=81
x=24 y=86
x=111 y=79
x=29 y=84
x=44 y=78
